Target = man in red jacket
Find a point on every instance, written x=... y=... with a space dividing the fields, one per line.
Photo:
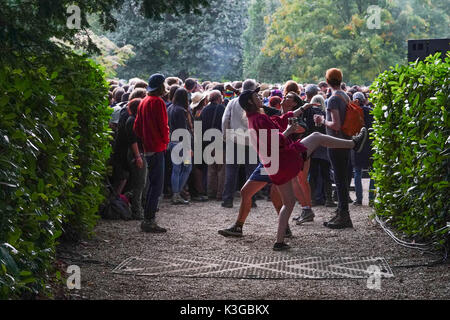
x=152 y=127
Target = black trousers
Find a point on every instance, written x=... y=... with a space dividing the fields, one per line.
x=340 y=159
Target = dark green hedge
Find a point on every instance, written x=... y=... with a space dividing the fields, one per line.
x=54 y=144
x=412 y=144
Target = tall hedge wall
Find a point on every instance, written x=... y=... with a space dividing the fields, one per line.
x=411 y=132
x=54 y=144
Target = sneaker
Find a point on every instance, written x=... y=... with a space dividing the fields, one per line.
x=281 y=246
x=150 y=226
x=306 y=216
x=360 y=140
x=227 y=204
x=235 y=231
x=357 y=203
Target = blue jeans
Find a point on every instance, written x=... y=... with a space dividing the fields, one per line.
x=180 y=172
x=180 y=175
x=359 y=188
x=156 y=166
x=232 y=171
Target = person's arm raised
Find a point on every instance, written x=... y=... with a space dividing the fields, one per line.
x=301 y=110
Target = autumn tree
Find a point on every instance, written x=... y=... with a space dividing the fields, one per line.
x=315 y=35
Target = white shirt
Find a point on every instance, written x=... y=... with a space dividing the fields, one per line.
x=235 y=123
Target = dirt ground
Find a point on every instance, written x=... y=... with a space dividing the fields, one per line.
x=193 y=232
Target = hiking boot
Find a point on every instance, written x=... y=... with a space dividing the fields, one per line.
x=336 y=214
x=360 y=140
x=227 y=204
x=306 y=216
x=342 y=221
x=150 y=226
x=281 y=246
x=235 y=231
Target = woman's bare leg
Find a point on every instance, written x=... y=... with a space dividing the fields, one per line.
x=315 y=140
x=276 y=199
x=288 y=197
x=298 y=192
x=247 y=192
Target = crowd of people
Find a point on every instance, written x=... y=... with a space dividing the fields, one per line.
x=314 y=153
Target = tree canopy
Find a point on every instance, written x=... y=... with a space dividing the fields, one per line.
x=312 y=36
x=206 y=45
x=28 y=24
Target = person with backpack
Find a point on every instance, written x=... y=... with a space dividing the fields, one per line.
x=340 y=117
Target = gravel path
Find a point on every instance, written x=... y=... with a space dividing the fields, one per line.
x=193 y=233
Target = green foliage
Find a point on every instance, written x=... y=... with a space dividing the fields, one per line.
x=257 y=65
x=111 y=56
x=412 y=144
x=27 y=25
x=207 y=46
x=306 y=37
x=54 y=143
x=54 y=135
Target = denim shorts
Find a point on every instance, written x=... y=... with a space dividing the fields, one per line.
x=258 y=176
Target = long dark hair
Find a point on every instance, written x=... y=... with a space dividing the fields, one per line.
x=180 y=98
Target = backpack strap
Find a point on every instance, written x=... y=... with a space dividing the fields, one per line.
x=340 y=97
